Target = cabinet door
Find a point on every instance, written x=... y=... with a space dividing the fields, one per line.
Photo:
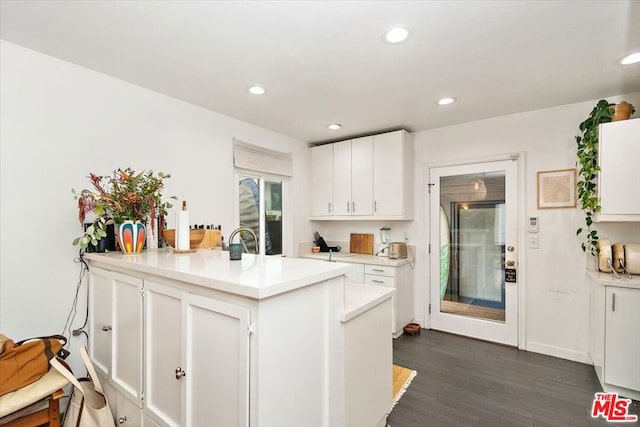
x=622 y=348
x=322 y=180
x=388 y=174
x=163 y=352
x=126 y=358
x=362 y=176
x=342 y=178
x=100 y=325
x=619 y=176
x=216 y=363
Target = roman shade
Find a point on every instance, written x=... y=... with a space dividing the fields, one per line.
x=256 y=158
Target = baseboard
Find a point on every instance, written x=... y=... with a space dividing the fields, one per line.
x=562 y=353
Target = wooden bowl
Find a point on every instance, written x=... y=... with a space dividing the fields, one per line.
x=412 y=329
x=195 y=237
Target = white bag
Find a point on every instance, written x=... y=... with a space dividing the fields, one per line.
x=88 y=406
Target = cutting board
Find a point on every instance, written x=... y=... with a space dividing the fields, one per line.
x=361 y=243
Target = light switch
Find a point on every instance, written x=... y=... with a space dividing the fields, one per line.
x=534 y=242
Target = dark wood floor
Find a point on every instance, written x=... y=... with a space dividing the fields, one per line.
x=466 y=382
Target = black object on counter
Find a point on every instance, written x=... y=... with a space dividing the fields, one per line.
x=319 y=241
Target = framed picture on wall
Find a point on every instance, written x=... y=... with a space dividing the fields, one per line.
x=557 y=189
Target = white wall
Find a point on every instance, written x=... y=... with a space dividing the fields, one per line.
x=60 y=122
x=557 y=299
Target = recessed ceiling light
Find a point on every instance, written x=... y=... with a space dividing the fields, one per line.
x=334 y=126
x=446 y=101
x=396 y=35
x=256 y=90
x=632 y=58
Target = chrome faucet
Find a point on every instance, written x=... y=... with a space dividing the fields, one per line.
x=241 y=229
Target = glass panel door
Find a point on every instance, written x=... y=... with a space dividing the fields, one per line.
x=474 y=219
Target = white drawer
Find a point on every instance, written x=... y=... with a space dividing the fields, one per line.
x=373 y=279
x=381 y=270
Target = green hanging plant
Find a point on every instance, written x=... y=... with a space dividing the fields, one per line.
x=588 y=172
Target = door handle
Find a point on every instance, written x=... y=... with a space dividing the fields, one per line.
x=511 y=263
x=613 y=301
x=106 y=328
x=180 y=373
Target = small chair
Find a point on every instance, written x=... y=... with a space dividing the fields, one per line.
x=34 y=404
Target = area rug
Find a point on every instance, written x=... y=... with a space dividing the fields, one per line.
x=402 y=378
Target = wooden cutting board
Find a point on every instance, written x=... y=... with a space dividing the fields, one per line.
x=361 y=243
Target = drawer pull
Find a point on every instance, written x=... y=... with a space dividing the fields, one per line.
x=378 y=269
x=122 y=420
x=180 y=373
x=613 y=301
x=377 y=281
x=106 y=328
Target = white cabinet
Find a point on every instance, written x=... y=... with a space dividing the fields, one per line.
x=203 y=378
x=322 y=180
x=622 y=340
x=353 y=177
x=614 y=344
x=619 y=177
x=393 y=175
x=368 y=178
x=399 y=278
x=116 y=330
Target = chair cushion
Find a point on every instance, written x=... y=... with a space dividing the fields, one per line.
x=31 y=393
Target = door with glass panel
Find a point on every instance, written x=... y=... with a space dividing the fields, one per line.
x=474 y=258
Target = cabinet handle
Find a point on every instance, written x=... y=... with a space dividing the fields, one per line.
x=377 y=269
x=353 y=206
x=329 y=207
x=375 y=206
x=106 y=328
x=377 y=281
x=122 y=420
x=613 y=301
x=347 y=206
x=180 y=373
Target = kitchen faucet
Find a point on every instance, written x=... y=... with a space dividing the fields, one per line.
x=241 y=229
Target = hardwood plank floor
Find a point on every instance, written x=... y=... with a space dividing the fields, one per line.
x=466 y=382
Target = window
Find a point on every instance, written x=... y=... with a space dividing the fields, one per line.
x=252 y=196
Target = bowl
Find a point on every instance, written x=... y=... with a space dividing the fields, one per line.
x=195 y=237
x=315 y=249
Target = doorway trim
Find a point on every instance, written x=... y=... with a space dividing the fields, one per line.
x=520 y=158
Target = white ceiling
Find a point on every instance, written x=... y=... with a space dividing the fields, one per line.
x=324 y=61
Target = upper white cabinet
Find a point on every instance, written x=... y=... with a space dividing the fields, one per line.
x=368 y=178
x=393 y=175
x=619 y=176
x=322 y=180
x=353 y=177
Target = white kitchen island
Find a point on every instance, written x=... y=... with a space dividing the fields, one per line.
x=199 y=340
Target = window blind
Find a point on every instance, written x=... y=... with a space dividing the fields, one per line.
x=256 y=158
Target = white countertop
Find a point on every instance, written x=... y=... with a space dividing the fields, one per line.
x=355 y=258
x=607 y=279
x=254 y=276
x=358 y=298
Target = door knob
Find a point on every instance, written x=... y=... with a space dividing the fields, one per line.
x=106 y=328
x=180 y=373
x=122 y=420
x=511 y=263
x=511 y=248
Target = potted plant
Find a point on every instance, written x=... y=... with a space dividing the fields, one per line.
x=127 y=199
x=587 y=153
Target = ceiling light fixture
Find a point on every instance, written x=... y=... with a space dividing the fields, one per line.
x=396 y=35
x=446 y=101
x=632 y=58
x=334 y=126
x=256 y=90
